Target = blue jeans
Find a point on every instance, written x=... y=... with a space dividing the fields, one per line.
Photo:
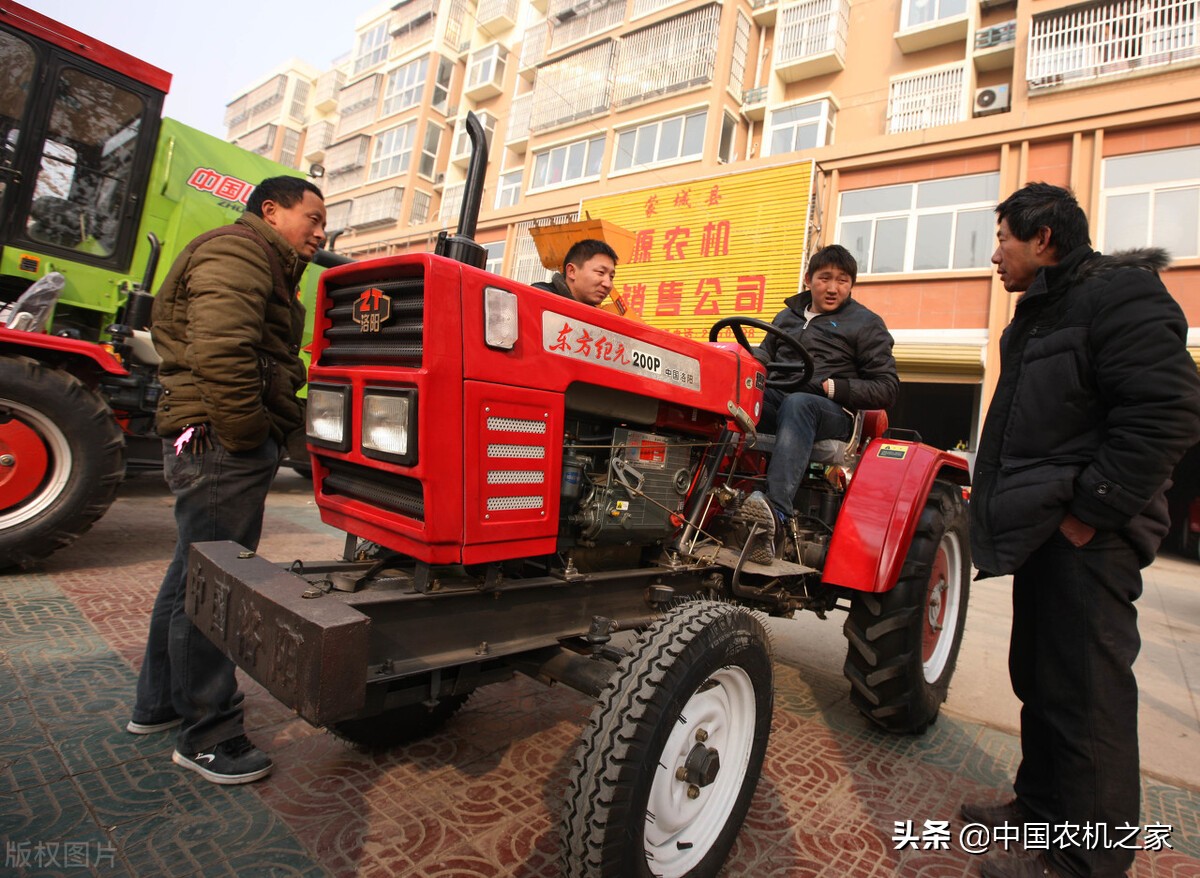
x=1074 y=641
x=219 y=495
x=798 y=420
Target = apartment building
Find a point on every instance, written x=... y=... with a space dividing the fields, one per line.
x=918 y=114
x=271 y=117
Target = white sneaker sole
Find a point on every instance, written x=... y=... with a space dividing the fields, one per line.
x=227 y=779
x=152 y=728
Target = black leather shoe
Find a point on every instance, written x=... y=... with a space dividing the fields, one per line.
x=996 y=814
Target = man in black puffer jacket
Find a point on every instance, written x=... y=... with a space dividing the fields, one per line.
x=853 y=368
x=1097 y=400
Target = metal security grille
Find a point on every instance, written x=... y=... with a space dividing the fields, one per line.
x=399 y=341
x=516 y=425
x=501 y=504
x=668 y=57
x=387 y=490
x=526 y=452
x=927 y=99
x=515 y=477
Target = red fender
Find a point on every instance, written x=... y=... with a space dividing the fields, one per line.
x=880 y=511
x=35 y=343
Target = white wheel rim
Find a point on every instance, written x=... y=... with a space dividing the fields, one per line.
x=681 y=830
x=58 y=467
x=951 y=596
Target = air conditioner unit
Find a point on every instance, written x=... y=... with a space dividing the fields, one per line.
x=992 y=99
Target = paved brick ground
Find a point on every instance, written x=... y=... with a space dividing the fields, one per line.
x=79 y=795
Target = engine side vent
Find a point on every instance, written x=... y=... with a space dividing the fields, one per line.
x=517 y=462
x=382 y=489
x=375 y=324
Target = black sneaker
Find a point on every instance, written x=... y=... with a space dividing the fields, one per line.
x=757 y=509
x=230 y=762
x=137 y=728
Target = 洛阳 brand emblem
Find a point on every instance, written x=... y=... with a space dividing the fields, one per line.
x=372 y=309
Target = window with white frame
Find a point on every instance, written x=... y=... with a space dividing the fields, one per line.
x=372 y=47
x=337 y=215
x=300 y=100
x=572 y=21
x=801 y=126
x=452 y=199
x=487 y=66
x=668 y=57
x=568 y=164
x=527 y=264
x=429 y=151
x=291 y=145
x=666 y=141
x=378 y=208
x=508 y=190
x=741 y=46
x=915 y=13
x=725 y=150
x=392 y=152
x=404 y=86
x=1152 y=199
x=927 y=99
x=357 y=104
x=441 y=85
x=495 y=257
x=461 y=147
x=576 y=87
x=929 y=226
x=419 y=212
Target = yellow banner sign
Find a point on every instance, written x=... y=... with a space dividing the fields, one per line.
x=730 y=246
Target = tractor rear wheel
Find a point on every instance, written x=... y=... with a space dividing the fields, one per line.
x=61 y=460
x=400 y=725
x=673 y=749
x=903 y=644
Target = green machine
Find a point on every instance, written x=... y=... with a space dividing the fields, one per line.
x=96 y=192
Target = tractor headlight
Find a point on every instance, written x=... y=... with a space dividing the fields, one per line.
x=389 y=424
x=327 y=416
x=499 y=318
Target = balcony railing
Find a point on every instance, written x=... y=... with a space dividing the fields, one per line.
x=1097 y=41
x=668 y=57
x=575 y=88
x=926 y=100
x=811 y=38
x=520 y=114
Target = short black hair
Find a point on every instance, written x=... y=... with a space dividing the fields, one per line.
x=582 y=251
x=284 y=191
x=835 y=255
x=1041 y=205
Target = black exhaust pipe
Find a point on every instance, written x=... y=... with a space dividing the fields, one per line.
x=461 y=247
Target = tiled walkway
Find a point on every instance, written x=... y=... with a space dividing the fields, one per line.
x=79 y=795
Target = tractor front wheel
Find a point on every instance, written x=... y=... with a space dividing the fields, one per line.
x=61 y=460
x=903 y=644
x=672 y=752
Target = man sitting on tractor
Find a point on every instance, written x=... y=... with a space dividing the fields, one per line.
x=587 y=274
x=853 y=368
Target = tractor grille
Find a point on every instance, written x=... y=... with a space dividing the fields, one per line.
x=386 y=490
x=399 y=340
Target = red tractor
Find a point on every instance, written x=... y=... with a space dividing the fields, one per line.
x=521 y=477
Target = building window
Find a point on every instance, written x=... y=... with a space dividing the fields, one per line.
x=679 y=138
x=527 y=264
x=452 y=199
x=461 y=147
x=441 y=85
x=930 y=226
x=669 y=57
x=572 y=20
x=487 y=66
x=799 y=127
x=429 y=151
x=393 y=151
x=1152 y=199
x=741 y=46
x=725 y=151
x=574 y=88
x=495 y=257
x=372 y=47
x=337 y=215
x=300 y=100
x=291 y=146
x=509 y=190
x=927 y=99
x=357 y=104
x=404 y=86
x=378 y=208
x=567 y=165
x=419 y=212
x=915 y=13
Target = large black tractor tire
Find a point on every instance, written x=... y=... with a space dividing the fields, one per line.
x=61 y=460
x=903 y=644
x=400 y=725
x=672 y=752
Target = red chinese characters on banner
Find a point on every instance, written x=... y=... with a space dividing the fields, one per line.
x=643 y=243
x=706 y=299
x=602 y=348
x=676 y=240
x=220 y=185
x=635 y=298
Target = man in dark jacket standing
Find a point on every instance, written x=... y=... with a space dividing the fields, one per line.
x=853 y=369
x=1097 y=400
x=228 y=325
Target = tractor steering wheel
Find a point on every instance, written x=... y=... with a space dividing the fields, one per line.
x=795 y=375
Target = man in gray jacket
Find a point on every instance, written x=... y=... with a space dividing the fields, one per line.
x=1097 y=400
x=853 y=369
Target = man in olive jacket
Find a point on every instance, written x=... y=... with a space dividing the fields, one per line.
x=1097 y=400
x=227 y=325
x=853 y=369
